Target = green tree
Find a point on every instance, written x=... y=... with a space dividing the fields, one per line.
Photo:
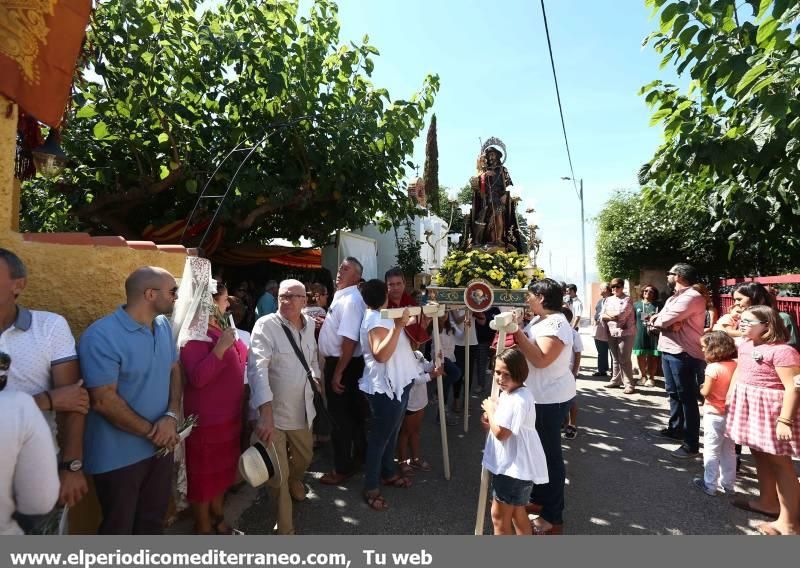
x=167 y=90
x=431 y=170
x=732 y=142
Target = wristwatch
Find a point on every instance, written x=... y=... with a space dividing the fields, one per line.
x=74 y=465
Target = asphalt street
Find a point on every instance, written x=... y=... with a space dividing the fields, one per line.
x=621 y=480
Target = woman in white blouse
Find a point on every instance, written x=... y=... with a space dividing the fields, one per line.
x=389 y=371
x=547 y=344
x=28 y=471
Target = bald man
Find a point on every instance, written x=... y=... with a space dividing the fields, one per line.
x=130 y=366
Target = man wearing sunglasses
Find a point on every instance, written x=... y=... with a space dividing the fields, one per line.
x=681 y=324
x=130 y=365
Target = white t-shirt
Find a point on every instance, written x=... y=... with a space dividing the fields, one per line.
x=397 y=373
x=459 y=328
x=343 y=320
x=28 y=471
x=577 y=347
x=418 y=397
x=521 y=455
x=448 y=344
x=554 y=383
x=36 y=342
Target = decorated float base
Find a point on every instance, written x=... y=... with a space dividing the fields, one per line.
x=455 y=296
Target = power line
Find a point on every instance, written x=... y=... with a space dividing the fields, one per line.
x=558 y=97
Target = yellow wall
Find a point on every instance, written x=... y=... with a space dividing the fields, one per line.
x=82 y=282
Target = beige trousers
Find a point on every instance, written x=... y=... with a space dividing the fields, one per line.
x=622 y=368
x=295 y=449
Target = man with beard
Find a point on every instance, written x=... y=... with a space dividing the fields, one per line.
x=344 y=365
x=130 y=365
x=681 y=324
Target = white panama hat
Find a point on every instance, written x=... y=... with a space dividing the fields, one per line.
x=259 y=464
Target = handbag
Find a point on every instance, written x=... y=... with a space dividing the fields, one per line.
x=319 y=403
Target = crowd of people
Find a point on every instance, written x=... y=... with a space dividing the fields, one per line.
x=310 y=370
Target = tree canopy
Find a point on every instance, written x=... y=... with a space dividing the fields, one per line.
x=731 y=145
x=166 y=90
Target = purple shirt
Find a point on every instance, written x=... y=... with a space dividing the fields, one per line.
x=687 y=306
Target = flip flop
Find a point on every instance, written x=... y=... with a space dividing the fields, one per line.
x=743 y=503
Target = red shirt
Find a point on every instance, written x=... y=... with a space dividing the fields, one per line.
x=415 y=332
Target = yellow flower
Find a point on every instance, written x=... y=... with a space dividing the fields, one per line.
x=515 y=284
x=459 y=274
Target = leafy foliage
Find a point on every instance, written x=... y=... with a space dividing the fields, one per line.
x=732 y=142
x=409 y=258
x=503 y=269
x=167 y=90
x=431 y=171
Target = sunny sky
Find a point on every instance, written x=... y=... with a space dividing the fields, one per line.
x=496 y=81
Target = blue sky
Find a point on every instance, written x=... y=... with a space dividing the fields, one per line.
x=496 y=81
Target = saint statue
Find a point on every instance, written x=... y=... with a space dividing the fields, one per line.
x=493 y=219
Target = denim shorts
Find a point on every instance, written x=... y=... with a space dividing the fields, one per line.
x=510 y=491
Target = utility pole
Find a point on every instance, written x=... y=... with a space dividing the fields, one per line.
x=584 y=291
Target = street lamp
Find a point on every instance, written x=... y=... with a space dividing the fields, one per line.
x=583 y=240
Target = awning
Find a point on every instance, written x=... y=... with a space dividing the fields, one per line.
x=286 y=256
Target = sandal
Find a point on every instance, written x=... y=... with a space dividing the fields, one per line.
x=222 y=528
x=375 y=501
x=570 y=432
x=406 y=469
x=767 y=529
x=397 y=481
x=420 y=464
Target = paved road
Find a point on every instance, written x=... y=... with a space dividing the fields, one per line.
x=620 y=480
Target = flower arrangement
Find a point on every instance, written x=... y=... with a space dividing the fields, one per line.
x=501 y=269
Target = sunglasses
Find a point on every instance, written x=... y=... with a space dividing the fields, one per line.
x=173 y=291
x=616 y=286
x=746 y=321
x=290 y=296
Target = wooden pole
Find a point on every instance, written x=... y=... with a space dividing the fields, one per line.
x=438 y=359
x=467 y=334
x=504 y=324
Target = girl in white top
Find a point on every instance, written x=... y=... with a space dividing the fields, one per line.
x=547 y=345
x=28 y=470
x=513 y=451
x=389 y=370
x=412 y=422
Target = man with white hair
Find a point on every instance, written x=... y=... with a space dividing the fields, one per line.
x=281 y=366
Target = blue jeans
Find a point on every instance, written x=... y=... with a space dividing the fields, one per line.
x=602 y=355
x=549 y=418
x=452 y=376
x=680 y=372
x=386 y=417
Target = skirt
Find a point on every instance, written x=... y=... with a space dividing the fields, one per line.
x=752 y=418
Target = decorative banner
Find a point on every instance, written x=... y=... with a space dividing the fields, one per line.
x=39 y=44
x=478 y=296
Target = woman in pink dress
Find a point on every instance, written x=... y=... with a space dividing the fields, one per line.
x=764 y=413
x=214 y=391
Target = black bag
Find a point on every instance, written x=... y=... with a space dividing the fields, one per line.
x=319 y=403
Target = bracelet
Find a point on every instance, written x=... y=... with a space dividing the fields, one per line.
x=172 y=415
x=50 y=399
x=786 y=421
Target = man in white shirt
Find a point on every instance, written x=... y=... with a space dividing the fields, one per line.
x=44 y=364
x=282 y=392
x=575 y=305
x=344 y=365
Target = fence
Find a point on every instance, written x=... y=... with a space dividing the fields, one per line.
x=788 y=304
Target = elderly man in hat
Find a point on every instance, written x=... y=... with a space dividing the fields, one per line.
x=281 y=367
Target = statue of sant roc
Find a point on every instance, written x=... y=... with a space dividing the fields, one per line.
x=492 y=223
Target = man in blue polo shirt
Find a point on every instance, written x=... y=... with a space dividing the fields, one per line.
x=130 y=366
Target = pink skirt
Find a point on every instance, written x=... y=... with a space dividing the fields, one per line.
x=752 y=419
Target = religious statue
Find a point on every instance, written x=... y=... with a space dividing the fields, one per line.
x=493 y=219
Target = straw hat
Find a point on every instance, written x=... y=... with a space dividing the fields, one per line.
x=259 y=465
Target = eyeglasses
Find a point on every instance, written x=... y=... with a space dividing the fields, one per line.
x=671 y=274
x=173 y=291
x=746 y=321
x=290 y=296
x=615 y=286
